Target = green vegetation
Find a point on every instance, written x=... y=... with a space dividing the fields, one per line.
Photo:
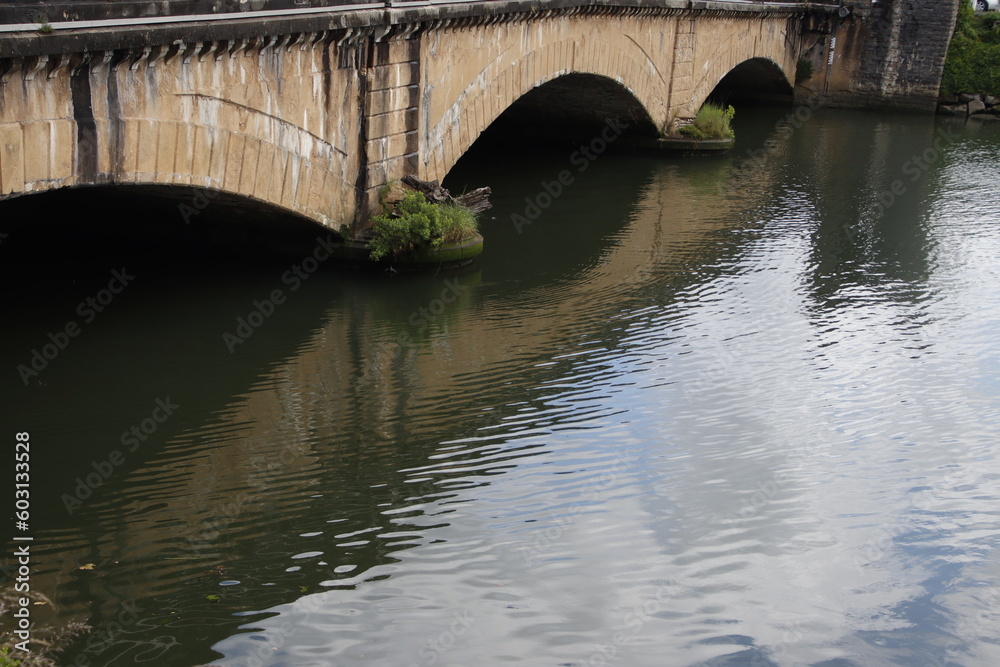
x=712 y=122
x=418 y=223
x=43 y=21
x=803 y=70
x=973 y=63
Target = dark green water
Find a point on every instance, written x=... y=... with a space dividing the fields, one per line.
x=737 y=410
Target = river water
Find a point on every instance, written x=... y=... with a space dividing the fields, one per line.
x=729 y=410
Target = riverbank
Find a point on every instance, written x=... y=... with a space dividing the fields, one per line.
x=980 y=105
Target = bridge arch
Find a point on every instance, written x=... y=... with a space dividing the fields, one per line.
x=504 y=81
x=314 y=115
x=741 y=77
x=756 y=80
x=242 y=122
x=147 y=219
x=570 y=109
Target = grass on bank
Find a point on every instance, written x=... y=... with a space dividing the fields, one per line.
x=973 y=62
x=419 y=224
x=711 y=122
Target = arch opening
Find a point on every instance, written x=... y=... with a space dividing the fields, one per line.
x=64 y=229
x=569 y=109
x=758 y=80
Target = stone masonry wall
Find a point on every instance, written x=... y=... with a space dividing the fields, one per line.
x=904 y=47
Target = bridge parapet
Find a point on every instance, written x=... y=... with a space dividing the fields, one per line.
x=33 y=12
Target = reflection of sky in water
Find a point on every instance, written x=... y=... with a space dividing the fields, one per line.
x=743 y=425
x=747 y=464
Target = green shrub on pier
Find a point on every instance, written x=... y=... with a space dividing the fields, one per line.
x=419 y=224
x=711 y=122
x=973 y=63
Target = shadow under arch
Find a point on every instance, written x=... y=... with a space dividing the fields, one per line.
x=68 y=228
x=571 y=109
x=757 y=80
x=553 y=151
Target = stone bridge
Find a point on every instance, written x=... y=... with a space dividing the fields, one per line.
x=311 y=110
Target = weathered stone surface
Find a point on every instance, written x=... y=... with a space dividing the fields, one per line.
x=970 y=97
x=889 y=53
x=976 y=106
x=314 y=113
x=991 y=100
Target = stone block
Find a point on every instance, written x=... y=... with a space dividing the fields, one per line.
x=392 y=146
x=62 y=157
x=11 y=158
x=37 y=146
x=146 y=151
x=392 y=99
x=403 y=50
x=248 y=173
x=396 y=75
x=976 y=106
x=952 y=110
x=393 y=122
x=234 y=161
x=290 y=184
x=184 y=157
x=219 y=140
x=166 y=150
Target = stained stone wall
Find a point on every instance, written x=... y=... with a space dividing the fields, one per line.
x=312 y=115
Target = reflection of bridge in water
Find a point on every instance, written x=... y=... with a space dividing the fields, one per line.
x=349 y=399
x=311 y=110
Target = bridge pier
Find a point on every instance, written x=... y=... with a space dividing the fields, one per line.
x=390 y=117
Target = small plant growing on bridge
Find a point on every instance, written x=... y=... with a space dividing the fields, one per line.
x=43 y=21
x=712 y=122
x=418 y=223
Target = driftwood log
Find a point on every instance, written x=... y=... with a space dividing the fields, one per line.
x=477 y=200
